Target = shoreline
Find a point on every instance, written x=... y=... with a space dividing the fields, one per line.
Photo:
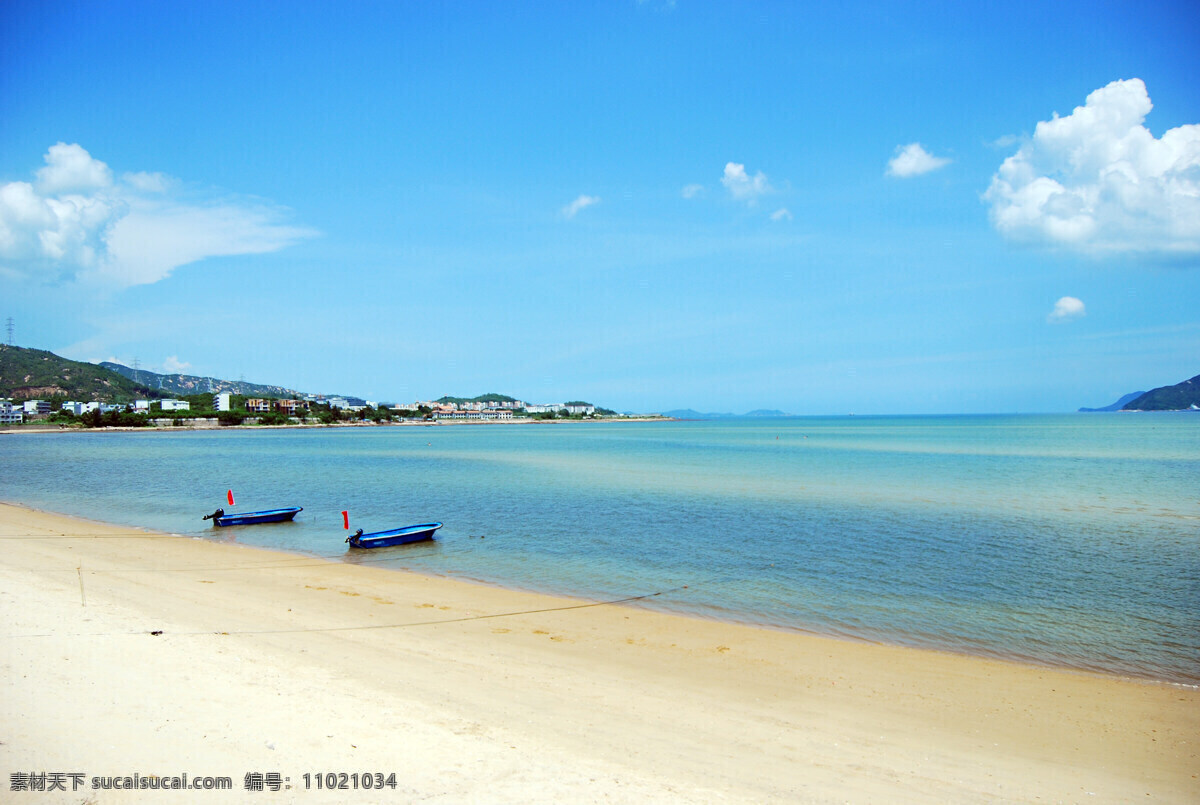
x=42 y=429
x=684 y=612
x=221 y=658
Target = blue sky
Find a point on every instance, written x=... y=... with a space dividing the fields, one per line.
x=878 y=207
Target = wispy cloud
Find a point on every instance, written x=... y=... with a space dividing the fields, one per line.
x=77 y=222
x=173 y=366
x=781 y=214
x=579 y=204
x=913 y=160
x=742 y=186
x=692 y=191
x=1098 y=182
x=1066 y=309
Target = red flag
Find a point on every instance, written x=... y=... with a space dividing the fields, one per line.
x=229 y=495
x=346 y=520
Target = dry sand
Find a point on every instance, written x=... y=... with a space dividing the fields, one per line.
x=127 y=652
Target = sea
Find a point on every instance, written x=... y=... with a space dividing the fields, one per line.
x=1060 y=540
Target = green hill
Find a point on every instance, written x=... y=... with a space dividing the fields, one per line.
x=492 y=398
x=190 y=384
x=34 y=374
x=1179 y=397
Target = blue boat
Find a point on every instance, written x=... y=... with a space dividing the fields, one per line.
x=220 y=518
x=397 y=536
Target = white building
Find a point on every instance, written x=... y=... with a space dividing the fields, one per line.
x=10 y=414
x=141 y=406
x=36 y=407
x=223 y=401
x=75 y=408
x=174 y=405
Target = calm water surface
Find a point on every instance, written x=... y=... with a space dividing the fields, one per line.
x=1067 y=540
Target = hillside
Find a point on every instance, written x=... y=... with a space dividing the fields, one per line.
x=482 y=398
x=1117 y=406
x=189 y=384
x=1179 y=397
x=27 y=374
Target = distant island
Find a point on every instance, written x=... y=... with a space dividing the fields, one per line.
x=1183 y=396
x=689 y=413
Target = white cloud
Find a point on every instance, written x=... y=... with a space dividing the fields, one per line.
x=69 y=168
x=692 y=191
x=173 y=366
x=742 y=186
x=156 y=237
x=150 y=182
x=1098 y=182
x=59 y=231
x=1066 y=309
x=77 y=222
x=913 y=160
x=581 y=203
x=781 y=214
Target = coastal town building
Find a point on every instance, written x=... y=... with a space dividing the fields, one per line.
x=256 y=405
x=554 y=408
x=223 y=401
x=174 y=405
x=490 y=414
x=291 y=407
x=32 y=407
x=11 y=414
x=79 y=408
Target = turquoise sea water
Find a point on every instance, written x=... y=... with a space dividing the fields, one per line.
x=1067 y=540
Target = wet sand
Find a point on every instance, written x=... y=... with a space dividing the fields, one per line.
x=128 y=652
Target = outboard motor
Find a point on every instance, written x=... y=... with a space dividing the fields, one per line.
x=215 y=515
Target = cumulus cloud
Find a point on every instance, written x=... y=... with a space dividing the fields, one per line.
x=69 y=168
x=913 y=160
x=77 y=222
x=781 y=214
x=1098 y=182
x=581 y=203
x=1066 y=309
x=742 y=186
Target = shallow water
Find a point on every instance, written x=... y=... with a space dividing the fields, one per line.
x=1068 y=540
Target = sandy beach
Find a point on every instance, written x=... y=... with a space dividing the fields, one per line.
x=127 y=653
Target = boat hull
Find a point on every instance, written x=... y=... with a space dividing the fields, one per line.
x=396 y=536
x=255 y=518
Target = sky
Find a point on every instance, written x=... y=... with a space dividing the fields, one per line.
x=868 y=207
